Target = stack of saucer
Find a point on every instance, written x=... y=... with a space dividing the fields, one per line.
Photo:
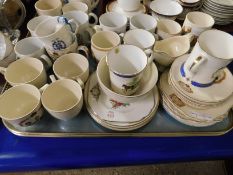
x=222 y=11
x=191 y=105
x=189 y=6
x=120 y=112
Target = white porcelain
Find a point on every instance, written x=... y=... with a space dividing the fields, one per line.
x=147 y=83
x=190 y=1
x=167 y=28
x=126 y=65
x=75 y=6
x=129 y=5
x=209 y=95
x=27 y=70
x=116 y=115
x=102 y=42
x=63 y=99
x=197 y=22
x=212 y=52
x=140 y=38
x=166 y=9
x=143 y=21
x=50 y=8
x=87 y=2
x=34 y=22
x=112 y=21
x=6 y=46
x=167 y=50
x=21 y=106
x=55 y=34
x=71 y=66
x=114 y=7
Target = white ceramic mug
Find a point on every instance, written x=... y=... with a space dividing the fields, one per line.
x=21 y=106
x=129 y=5
x=102 y=42
x=112 y=21
x=143 y=21
x=197 y=22
x=167 y=28
x=56 y=33
x=71 y=66
x=75 y=6
x=126 y=65
x=6 y=46
x=212 y=52
x=63 y=99
x=140 y=38
x=34 y=22
x=50 y=8
x=26 y=70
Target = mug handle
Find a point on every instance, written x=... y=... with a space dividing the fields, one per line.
x=150 y=56
x=196 y=64
x=46 y=61
x=121 y=35
x=97 y=28
x=80 y=82
x=2 y=70
x=95 y=18
x=83 y=50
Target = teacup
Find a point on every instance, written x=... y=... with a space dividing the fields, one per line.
x=212 y=52
x=103 y=42
x=143 y=21
x=6 y=46
x=63 y=99
x=34 y=22
x=56 y=33
x=75 y=6
x=140 y=38
x=112 y=21
x=71 y=66
x=21 y=106
x=167 y=28
x=126 y=65
x=197 y=22
x=50 y=8
x=26 y=70
x=129 y=5
x=87 y=2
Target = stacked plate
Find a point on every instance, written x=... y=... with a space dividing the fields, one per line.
x=111 y=110
x=194 y=106
x=189 y=6
x=221 y=10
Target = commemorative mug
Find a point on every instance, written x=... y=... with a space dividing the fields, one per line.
x=26 y=70
x=126 y=66
x=71 y=66
x=21 y=105
x=143 y=21
x=50 y=8
x=212 y=52
x=63 y=99
x=102 y=42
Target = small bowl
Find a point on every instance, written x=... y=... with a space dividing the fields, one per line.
x=165 y=9
x=149 y=80
x=167 y=28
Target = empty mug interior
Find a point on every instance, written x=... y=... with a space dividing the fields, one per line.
x=19 y=101
x=169 y=26
x=75 y=6
x=34 y=22
x=143 y=21
x=140 y=38
x=105 y=40
x=113 y=19
x=24 y=70
x=217 y=43
x=126 y=60
x=200 y=19
x=70 y=65
x=47 y=5
x=61 y=95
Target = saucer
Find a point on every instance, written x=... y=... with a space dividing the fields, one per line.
x=215 y=93
x=114 y=7
x=208 y=115
x=119 y=115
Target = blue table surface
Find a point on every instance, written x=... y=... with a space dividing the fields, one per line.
x=24 y=154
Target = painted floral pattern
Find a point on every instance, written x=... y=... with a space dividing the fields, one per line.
x=95 y=92
x=116 y=104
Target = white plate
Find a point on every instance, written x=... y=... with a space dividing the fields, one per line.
x=119 y=114
x=212 y=94
x=227 y=3
x=114 y=7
